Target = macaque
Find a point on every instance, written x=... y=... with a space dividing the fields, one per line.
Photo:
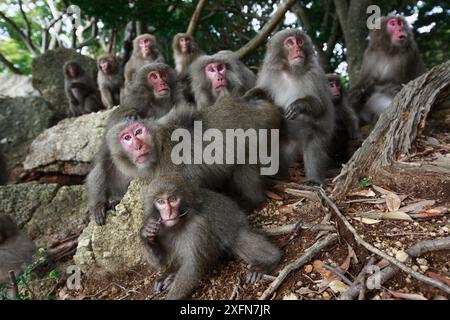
x=347 y=136
x=109 y=79
x=80 y=89
x=188 y=231
x=185 y=51
x=292 y=78
x=391 y=60
x=145 y=50
x=155 y=91
x=219 y=74
x=138 y=148
x=16 y=250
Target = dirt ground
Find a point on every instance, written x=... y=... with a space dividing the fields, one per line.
x=363 y=207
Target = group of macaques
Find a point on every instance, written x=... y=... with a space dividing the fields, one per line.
x=195 y=214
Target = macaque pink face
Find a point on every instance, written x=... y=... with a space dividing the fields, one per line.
x=72 y=70
x=216 y=73
x=185 y=44
x=396 y=29
x=335 y=88
x=105 y=67
x=133 y=141
x=294 y=48
x=159 y=79
x=146 y=46
x=168 y=206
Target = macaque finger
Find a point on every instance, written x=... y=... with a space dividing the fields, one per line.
x=100 y=214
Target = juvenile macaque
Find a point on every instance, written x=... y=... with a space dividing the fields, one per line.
x=80 y=89
x=292 y=78
x=185 y=51
x=347 y=136
x=16 y=250
x=391 y=59
x=109 y=79
x=188 y=231
x=219 y=74
x=145 y=50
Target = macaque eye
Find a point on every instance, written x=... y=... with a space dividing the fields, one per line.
x=289 y=42
x=160 y=202
x=300 y=42
x=127 y=137
x=153 y=76
x=220 y=67
x=173 y=199
x=210 y=69
x=138 y=131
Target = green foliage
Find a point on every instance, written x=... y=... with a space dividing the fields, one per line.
x=365 y=183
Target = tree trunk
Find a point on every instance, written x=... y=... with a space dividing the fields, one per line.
x=195 y=18
x=352 y=18
x=396 y=129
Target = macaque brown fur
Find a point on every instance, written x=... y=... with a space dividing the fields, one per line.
x=387 y=64
x=16 y=250
x=296 y=83
x=347 y=136
x=209 y=227
x=110 y=80
x=238 y=78
x=138 y=60
x=81 y=90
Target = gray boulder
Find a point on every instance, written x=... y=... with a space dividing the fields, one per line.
x=48 y=212
x=68 y=147
x=48 y=76
x=21 y=120
x=115 y=246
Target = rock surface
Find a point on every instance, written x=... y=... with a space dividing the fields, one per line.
x=48 y=76
x=48 y=212
x=115 y=246
x=21 y=120
x=69 y=146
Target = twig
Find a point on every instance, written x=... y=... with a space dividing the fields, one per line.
x=13 y=282
x=309 y=254
x=235 y=293
x=289 y=228
x=380 y=253
x=415 y=251
x=338 y=273
x=356 y=287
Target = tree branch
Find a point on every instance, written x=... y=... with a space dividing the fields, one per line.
x=30 y=46
x=195 y=18
x=26 y=21
x=9 y=65
x=266 y=30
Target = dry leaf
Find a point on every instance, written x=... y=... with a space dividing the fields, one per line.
x=273 y=195
x=381 y=190
x=393 y=201
x=286 y=209
x=430 y=213
x=417 y=206
x=318 y=267
x=367 y=220
x=363 y=193
x=396 y=215
x=338 y=286
x=290 y=296
x=279 y=186
x=305 y=290
x=408 y=296
x=375 y=215
x=438 y=277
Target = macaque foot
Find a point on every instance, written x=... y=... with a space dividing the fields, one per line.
x=100 y=214
x=163 y=283
x=254 y=276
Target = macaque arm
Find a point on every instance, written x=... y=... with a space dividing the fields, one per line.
x=107 y=98
x=258 y=94
x=186 y=279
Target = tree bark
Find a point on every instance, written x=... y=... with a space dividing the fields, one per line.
x=396 y=129
x=266 y=30
x=352 y=18
x=9 y=65
x=195 y=18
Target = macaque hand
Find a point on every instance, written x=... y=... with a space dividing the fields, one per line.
x=294 y=109
x=163 y=283
x=150 y=230
x=99 y=212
